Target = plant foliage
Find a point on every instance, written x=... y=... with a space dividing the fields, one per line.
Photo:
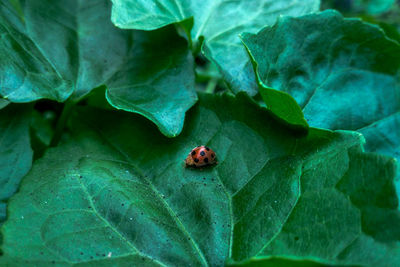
x=101 y=102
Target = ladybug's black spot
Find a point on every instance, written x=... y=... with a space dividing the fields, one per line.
x=202 y=153
x=206 y=160
x=193 y=153
x=196 y=160
x=212 y=155
x=207 y=149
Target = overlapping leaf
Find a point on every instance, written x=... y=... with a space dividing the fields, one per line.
x=157 y=81
x=218 y=21
x=63 y=48
x=15 y=150
x=361 y=196
x=25 y=72
x=123 y=195
x=342 y=72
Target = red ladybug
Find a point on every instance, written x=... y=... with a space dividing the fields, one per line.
x=201 y=156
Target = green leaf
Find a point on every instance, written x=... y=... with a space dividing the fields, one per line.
x=15 y=151
x=26 y=74
x=383 y=136
x=158 y=81
x=284 y=106
x=77 y=40
x=124 y=197
x=65 y=48
x=354 y=218
x=342 y=72
x=219 y=22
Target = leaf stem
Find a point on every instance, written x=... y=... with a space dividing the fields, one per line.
x=62 y=120
x=212 y=84
x=190 y=41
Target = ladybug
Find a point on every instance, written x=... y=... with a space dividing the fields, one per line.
x=201 y=156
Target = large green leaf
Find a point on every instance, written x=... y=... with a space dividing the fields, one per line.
x=219 y=22
x=65 y=47
x=26 y=74
x=122 y=195
x=342 y=72
x=362 y=198
x=15 y=150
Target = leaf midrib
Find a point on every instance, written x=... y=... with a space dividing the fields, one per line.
x=173 y=215
x=89 y=197
x=384 y=118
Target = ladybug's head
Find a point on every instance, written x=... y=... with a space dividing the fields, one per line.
x=189 y=160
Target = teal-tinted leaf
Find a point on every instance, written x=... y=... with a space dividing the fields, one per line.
x=383 y=136
x=126 y=187
x=120 y=189
x=65 y=47
x=158 y=81
x=26 y=74
x=77 y=40
x=322 y=66
x=356 y=197
x=342 y=72
x=15 y=150
x=283 y=105
x=218 y=21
